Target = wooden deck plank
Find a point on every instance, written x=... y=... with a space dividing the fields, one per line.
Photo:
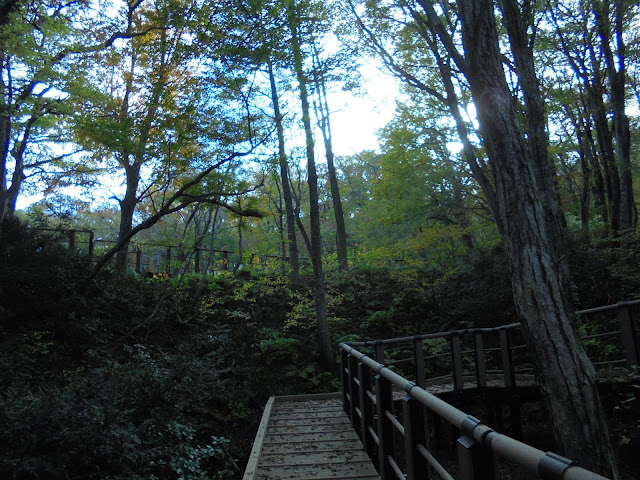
x=305 y=437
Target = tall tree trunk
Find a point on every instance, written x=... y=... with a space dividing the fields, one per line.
x=9 y=193
x=236 y=267
x=294 y=260
x=591 y=153
x=325 y=127
x=209 y=228
x=527 y=211
x=327 y=359
x=595 y=116
x=607 y=158
x=585 y=168
x=616 y=78
x=127 y=209
x=5 y=142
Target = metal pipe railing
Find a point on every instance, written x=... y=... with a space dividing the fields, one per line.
x=477 y=439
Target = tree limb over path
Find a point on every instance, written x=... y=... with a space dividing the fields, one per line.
x=179 y=200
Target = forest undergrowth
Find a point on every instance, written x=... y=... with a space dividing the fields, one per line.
x=135 y=378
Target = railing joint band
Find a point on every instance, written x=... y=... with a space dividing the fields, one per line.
x=379 y=369
x=469 y=424
x=408 y=386
x=552 y=466
x=487 y=438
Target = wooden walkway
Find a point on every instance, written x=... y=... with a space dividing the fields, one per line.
x=306 y=437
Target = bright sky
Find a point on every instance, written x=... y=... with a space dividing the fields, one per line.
x=356 y=120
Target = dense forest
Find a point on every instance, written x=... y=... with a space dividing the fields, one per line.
x=192 y=242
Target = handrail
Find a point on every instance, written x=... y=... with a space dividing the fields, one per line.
x=370 y=407
x=477 y=439
x=605 y=308
x=429 y=336
x=628 y=333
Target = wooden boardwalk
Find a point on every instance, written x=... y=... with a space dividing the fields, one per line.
x=306 y=437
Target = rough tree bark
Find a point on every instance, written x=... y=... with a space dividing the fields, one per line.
x=327 y=359
x=528 y=215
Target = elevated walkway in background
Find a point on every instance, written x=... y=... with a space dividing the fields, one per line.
x=306 y=437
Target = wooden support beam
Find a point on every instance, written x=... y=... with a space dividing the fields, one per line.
x=456 y=358
x=481 y=369
x=384 y=403
x=414 y=435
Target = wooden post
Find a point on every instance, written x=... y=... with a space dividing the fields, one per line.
x=364 y=377
x=413 y=421
x=138 y=259
x=437 y=441
x=476 y=462
x=379 y=352
x=345 y=380
x=354 y=392
x=507 y=360
x=169 y=261
x=481 y=369
x=225 y=260
x=418 y=354
x=92 y=243
x=72 y=240
x=490 y=404
x=629 y=334
x=516 y=420
x=456 y=357
x=384 y=403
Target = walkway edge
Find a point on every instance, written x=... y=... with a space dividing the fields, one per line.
x=252 y=464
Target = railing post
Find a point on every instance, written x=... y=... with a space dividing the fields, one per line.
x=456 y=356
x=476 y=462
x=92 y=243
x=345 y=380
x=225 y=260
x=138 y=259
x=481 y=369
x=418 y=355
x=379 y=351
x=516 y=419
x=384 y=403
x=629 y=334
x=366 y=419
x=354 y=392
x=507 y=360
x=72 y=240
x=413 y=422
x=169 y=261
